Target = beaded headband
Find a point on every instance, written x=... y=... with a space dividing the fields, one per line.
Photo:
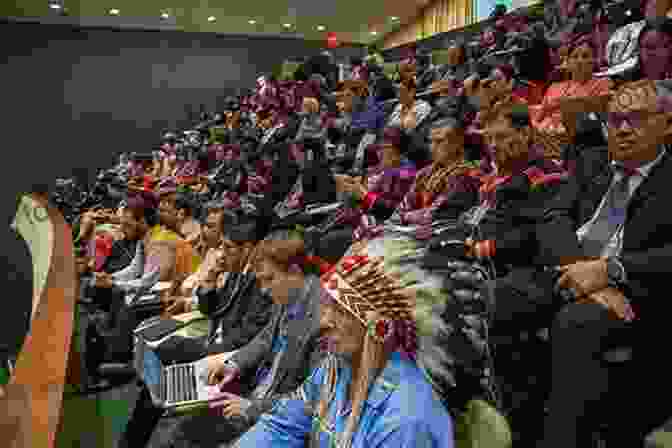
x=360 y=284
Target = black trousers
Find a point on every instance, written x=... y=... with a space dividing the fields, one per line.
x=586 y=390
x=631 y=398
x=190 y=431
x=146 y=415
x=124 y=321
x=201 y=430
x=523 y=302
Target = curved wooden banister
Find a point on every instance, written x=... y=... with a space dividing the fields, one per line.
x=30 y=412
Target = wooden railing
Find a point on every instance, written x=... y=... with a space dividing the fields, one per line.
x=30 y=411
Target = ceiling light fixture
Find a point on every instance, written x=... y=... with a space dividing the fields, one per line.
x=212 y=18
x=252 y=22
x=55 y=6
x=114 y=12
x=394 y=19
x=321 y=28
x=373 y=33
x=287 y=25
x=165 y=15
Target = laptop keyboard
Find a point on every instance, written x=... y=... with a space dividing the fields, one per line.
x=179 y=384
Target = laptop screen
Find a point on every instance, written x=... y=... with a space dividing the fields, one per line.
x=152 y=369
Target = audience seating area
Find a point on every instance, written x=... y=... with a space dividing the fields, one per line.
x=498 y=160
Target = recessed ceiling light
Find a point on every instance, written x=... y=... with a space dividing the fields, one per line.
x=252 y=22
x=55 y=6
x=114 y=12
x=165 y=15
x=321 y=28
x=394 y=19
x=287 y=25
x=374 y=33
x=212 y=18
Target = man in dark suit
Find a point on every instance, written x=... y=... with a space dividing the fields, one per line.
x=614 y=244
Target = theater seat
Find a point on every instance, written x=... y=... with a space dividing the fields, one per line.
x=661 y=437
x=482 y=425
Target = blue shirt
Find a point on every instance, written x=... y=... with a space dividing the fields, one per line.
x=402 y=411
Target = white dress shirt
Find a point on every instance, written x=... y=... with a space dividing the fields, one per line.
x=615 y=245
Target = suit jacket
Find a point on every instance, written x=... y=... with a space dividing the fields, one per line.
x=647 y=239
x=513 y=222
x=241 y=313
x=301 y=356
x=283 y=177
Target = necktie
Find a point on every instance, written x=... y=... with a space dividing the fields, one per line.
x=611 y=216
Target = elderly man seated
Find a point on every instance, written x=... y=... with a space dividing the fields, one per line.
x=610 y=238
x=369 y=392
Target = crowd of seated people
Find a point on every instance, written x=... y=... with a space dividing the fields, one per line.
x=372 y=255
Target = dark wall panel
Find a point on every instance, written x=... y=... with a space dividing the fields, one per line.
x=74 y=98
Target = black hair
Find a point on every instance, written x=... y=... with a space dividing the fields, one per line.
x=317 y=65
x=534 y=63
x=385 y=89
x=329 y=101
x=423 y=59
x=149 y=214
x=300 y=74
x=662 y=24
x=415 y=147
x=483 y=69
x=144 y=157
x=315 y=145
x=452 y=111
x=182 y=202
x=244 y=233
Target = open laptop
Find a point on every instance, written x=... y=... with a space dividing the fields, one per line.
x=178 y=385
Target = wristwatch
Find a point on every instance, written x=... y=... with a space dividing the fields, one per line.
x=615 y=272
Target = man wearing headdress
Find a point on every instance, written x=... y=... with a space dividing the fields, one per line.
x=369 y=392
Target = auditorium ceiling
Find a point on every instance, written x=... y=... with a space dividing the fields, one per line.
x=356 y=21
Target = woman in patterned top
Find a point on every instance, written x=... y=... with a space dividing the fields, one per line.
x=385 y=186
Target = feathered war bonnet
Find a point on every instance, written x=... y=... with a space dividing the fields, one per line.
x=381 y=284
